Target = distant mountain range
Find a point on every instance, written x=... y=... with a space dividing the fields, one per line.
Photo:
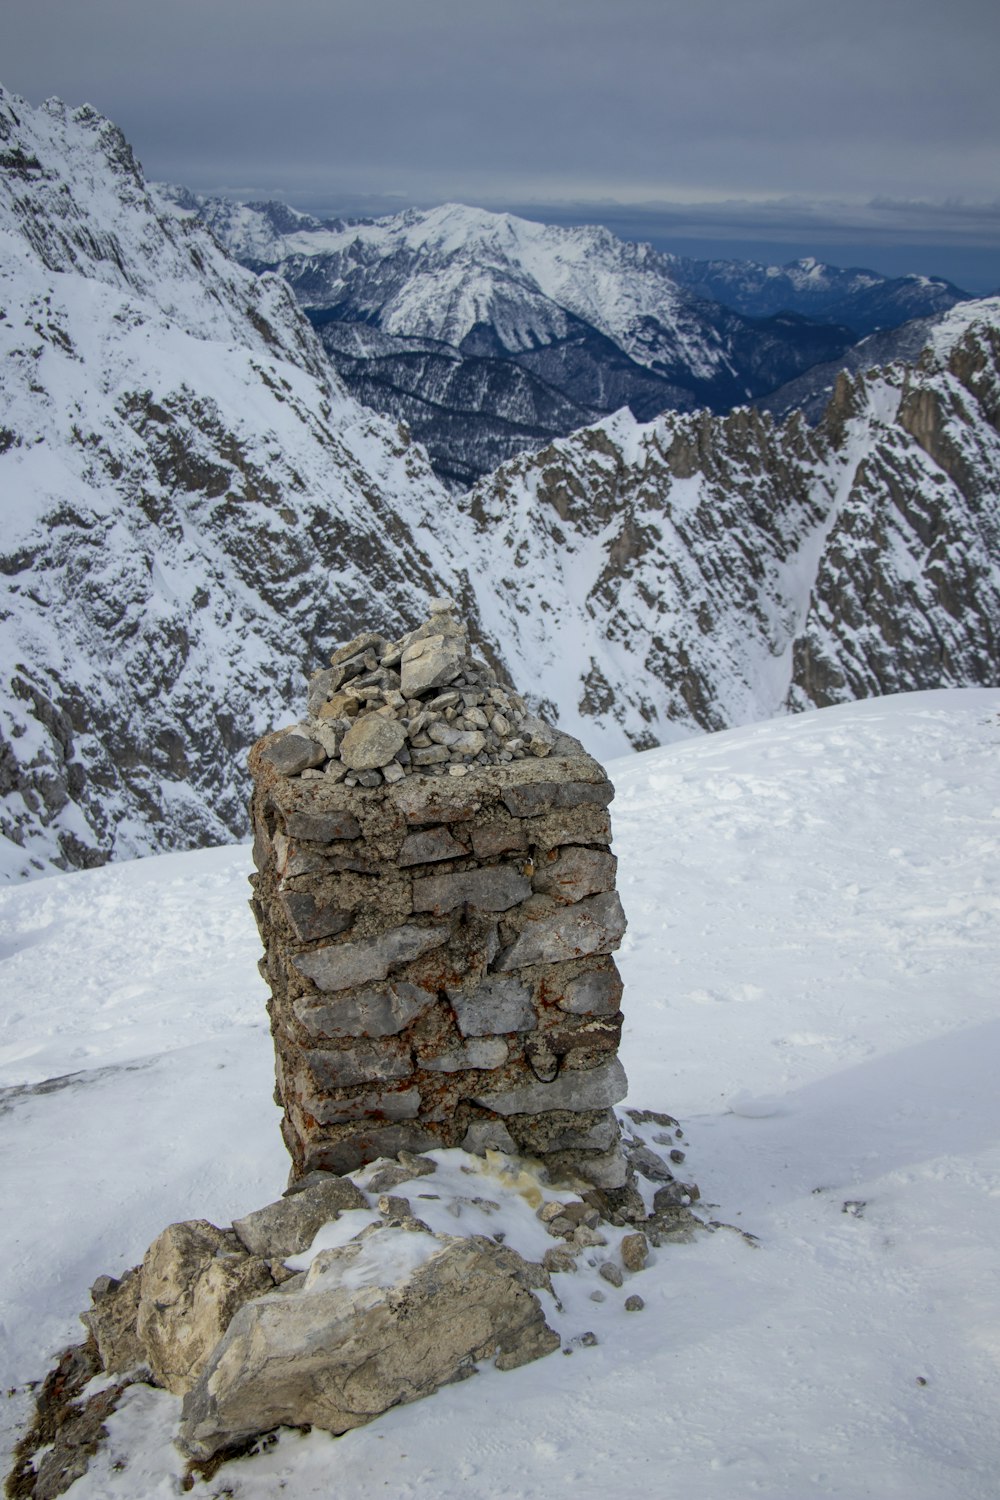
x=196 y=512
x=489 y=334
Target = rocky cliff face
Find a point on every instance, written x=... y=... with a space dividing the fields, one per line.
x=708 y=570
x=195 y=510
x=193 y=506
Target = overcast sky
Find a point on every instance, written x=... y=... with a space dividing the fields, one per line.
x=855 y=129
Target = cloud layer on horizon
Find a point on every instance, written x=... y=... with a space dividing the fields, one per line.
x=771 y=121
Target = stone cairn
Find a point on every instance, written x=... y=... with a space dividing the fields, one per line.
x=437 y=904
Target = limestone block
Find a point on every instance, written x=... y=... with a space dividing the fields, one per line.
x=489 y=1135
x=372 y=742
x=385 y=1319
x=383 y=1104
x=491 y=839
x=489 y=888
x=322 y=828
x=597 y=993
x=369 y=640
x=380 y=1010
x=193 y=1281
x=603 y=1169
x=365 y=1062
x=291 y=754
x=595 y=925
x=578 y=825
x=431 y=662
x=424 y=800
x=312 y=919
x=112 y=1320
x=478 y=1052
x=572 y=1089
x=345 y=965
x=575 y=873
x=536 y=797
x=430 y=845
x=494 y=1007
x=289 y=1226
x=345 y=1148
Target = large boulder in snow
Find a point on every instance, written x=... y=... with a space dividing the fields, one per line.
x=194 y=1277
x=385 y=1319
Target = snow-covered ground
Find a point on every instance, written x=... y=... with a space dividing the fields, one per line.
x=811 y=987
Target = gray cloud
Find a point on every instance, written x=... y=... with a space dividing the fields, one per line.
x=752 y=110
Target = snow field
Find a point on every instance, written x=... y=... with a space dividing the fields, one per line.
x=810 y=972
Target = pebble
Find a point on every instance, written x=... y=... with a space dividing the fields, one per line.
x=611 y=1272
x=634 y=1303
x=634 y=1251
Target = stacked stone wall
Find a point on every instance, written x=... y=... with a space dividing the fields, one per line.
x=438 y=939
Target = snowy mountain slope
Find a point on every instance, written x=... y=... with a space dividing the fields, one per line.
x=601 y=320
x=195 y=512
x=811 y=392
x=713 y=570
x=192 y=506
x=863 y=300
x=810 y=987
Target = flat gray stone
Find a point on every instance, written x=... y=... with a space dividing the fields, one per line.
x=372 y=741
x=311 y=919
x=431 y=662
x=489 y=1135
x=594 y=1089
x=533 y=798
x=478 y=1052
x=494 y=1007
x=322 y=828
x=499 y=838
x=344 y=965
x=595 y=925
x=383 y=1104
x=596 y=994
x=424 y=799
x=429 y=845
x=365 y=1143
x=366 y=1062
x=381 y=1010
x=429 y=755
x=293 y=753
x=368 y=641
x=489 y=888
x=289 y=1226
x=576 y=873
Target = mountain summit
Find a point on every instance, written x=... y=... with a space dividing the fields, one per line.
x=489 y=334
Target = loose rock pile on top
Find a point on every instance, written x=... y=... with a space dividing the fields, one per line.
x=423 y=703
